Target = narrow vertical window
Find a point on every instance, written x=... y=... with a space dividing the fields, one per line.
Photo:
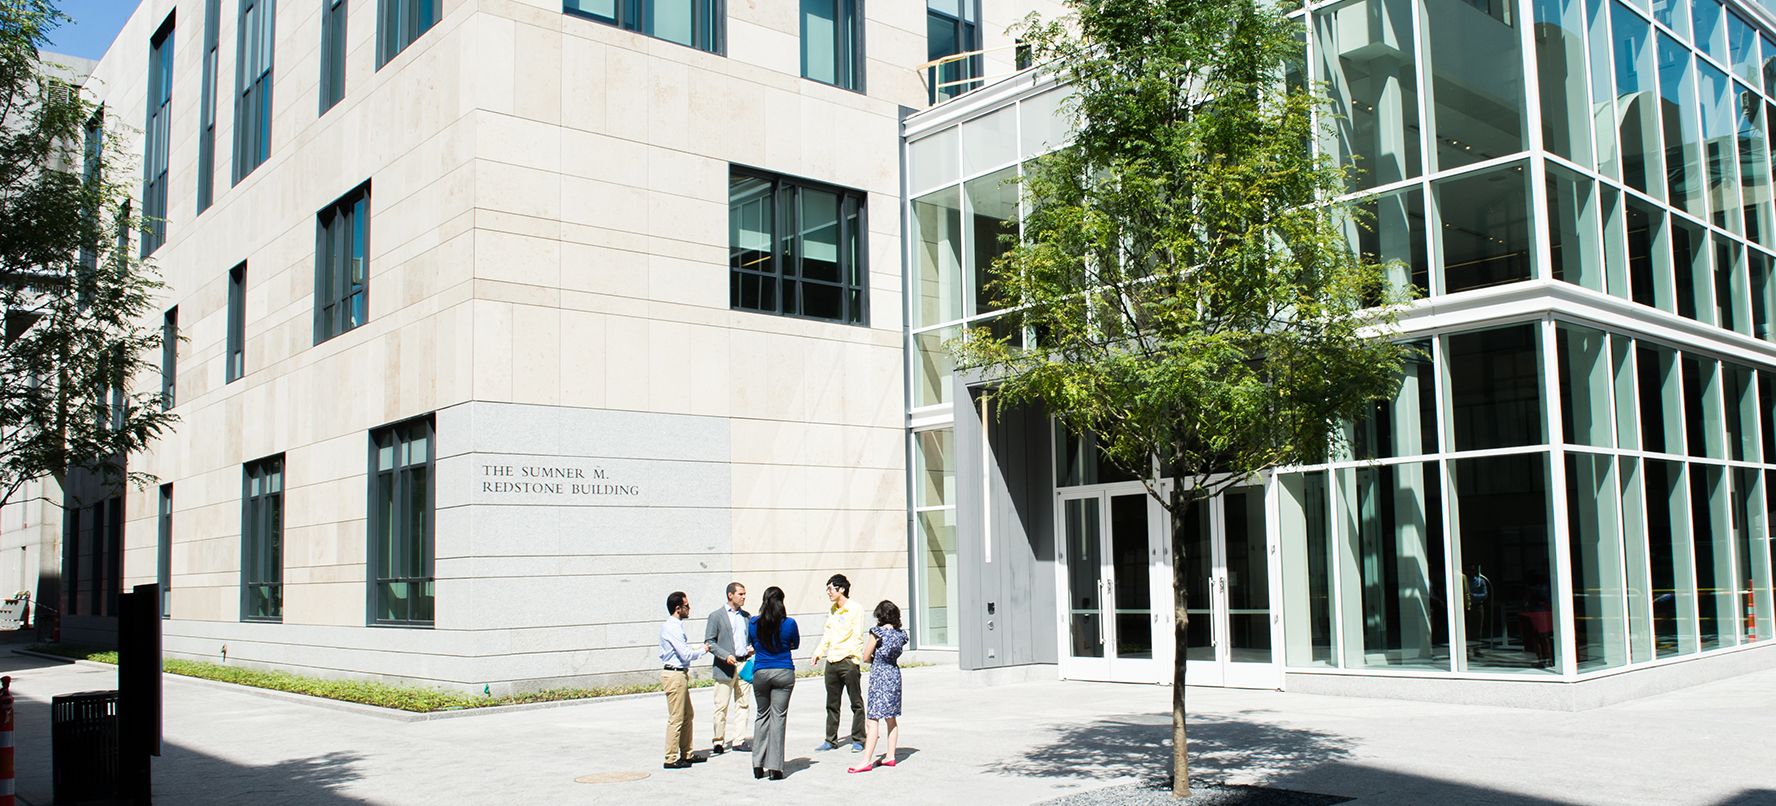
x=237 y=323
x=206 y=112
x=332 y=53
x=401 y=533
x=252 y=100
x=262 y=540
x=342 y=243
x=158 y=131
x=169 y=358
x=398 y=23
x=164 y=555
x=832 y=42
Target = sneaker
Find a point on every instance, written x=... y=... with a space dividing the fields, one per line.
x=857 y=747
x=824 y=746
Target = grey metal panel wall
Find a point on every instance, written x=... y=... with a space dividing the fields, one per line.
x=1006 y=614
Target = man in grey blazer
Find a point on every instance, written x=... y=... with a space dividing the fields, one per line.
x=727 y=636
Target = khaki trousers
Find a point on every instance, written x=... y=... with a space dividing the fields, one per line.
x=736 y=692
x=678 y=714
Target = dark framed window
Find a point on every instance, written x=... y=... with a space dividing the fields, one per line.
x=164 y=553
x=952 y=27
x=796 y=248
x=237 y=323
x=92 y=159
x=342 y=257
x=262 y=540
x=252 y=99
x=158 y=132
x=401 y=530
x=332 y=53
x=398 y=23
x=700 y=24
x=832 y=42
x=169 y=358
x=71 y=548
x=206 y=112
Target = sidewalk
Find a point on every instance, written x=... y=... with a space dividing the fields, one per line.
x=977 y=746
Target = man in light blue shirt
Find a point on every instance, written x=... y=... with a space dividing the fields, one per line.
x=675 y=679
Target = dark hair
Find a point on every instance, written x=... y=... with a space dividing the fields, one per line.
x=839 y=581
x=770 y=619
x=674 y=600
x=888 y=613
x=732 y=586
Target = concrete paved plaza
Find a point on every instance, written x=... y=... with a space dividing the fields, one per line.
x=977 y=746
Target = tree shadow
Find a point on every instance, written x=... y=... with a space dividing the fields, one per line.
x=204 y=778
x=1751 y=797
x=1139 y=746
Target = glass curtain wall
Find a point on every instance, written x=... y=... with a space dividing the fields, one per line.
x=1539 y=498
x=1543 y=497
x=964 y=212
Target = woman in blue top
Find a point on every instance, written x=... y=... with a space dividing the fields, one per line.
x=774 y=635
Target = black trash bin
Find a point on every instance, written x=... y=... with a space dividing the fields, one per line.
x=83 y=746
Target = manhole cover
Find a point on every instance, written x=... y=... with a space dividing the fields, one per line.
x=610 y=777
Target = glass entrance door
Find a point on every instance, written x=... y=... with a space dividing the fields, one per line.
x=1113 y=564
x=1228 y=562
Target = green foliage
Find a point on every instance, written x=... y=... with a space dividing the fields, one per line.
x=75 y=298
x=1183 y=270
x=381 y=695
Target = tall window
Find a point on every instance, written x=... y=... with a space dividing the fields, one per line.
x=262 y=540
x=398 y=23
x=159 y=130
x=92 y=160
x=237 y=323
x=169 y=358
x=832 y=42
x=401 y=504
x=206 y=113
x=796 y=248
x=252 y=100
x=951 y=28
x=332 y=53
x=164 y=555
x=697 y=23
x=342 y=242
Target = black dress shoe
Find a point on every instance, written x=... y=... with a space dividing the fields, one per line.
x=695 y=759
x=680 y=764
x=776 y=775
x=758 y=772
x=716 y=749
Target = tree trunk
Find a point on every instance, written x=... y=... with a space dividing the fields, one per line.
x=1180 y=509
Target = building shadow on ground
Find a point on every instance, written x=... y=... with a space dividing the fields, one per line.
x=1751 y=797
x=14 y=662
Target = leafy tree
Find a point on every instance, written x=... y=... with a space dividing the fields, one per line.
x=74 y=298
x=1193 y=300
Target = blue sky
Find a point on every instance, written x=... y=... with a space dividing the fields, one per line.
x=91 y=26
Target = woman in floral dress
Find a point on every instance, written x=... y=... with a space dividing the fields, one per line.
x=883 y=647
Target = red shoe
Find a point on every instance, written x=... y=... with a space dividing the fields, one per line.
x=887 y=762
x=864 y=768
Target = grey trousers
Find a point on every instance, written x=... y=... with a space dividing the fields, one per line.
x=770 y=690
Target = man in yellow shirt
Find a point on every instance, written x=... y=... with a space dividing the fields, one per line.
x=841 y=648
